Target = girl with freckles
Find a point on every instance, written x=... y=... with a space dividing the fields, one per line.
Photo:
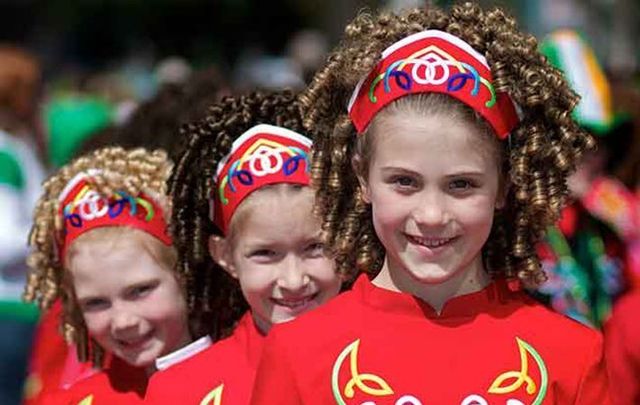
x=443 y=142
x=100 y=243
x=248 y=240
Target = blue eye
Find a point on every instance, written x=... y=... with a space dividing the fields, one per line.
x=262 y=253
x=461 y=184
x=142 y=290
x=94 y=304
x=315 y=249
x=404 y=181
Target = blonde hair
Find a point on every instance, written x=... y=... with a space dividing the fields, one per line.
x=132 y=171
x=539 y=154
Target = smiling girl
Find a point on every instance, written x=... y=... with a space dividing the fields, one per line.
x=100 y=242
x=443 y=142
x=247 y=236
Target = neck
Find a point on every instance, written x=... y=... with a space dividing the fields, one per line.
x=472 y=279
x=184 y=341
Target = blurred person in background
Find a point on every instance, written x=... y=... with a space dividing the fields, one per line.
x=21 y=173
x=622 y=330
x=583 y=255
x=156 y=122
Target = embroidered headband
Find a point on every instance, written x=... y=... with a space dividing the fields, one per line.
x=432 y=61
x=263 y=155
x=82 y=209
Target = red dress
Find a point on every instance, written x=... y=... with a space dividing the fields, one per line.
x=374 y=346
x=53 y=364
x=622 y=348
x=119 y=384
x=222 y=374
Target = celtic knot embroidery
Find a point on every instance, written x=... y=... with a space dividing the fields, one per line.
x=89 y=205
x=520 y=377
x=88 y=400
x=370 y=384
x=263 y=158
x=214 y=397
x=432 y=65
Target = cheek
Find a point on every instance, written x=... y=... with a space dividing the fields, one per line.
x=97 y=324
x=166 y=304
x=256 y=280
x=323 y=272
x=477 y=214
x=390 y=211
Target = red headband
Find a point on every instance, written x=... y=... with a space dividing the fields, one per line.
x=432 y=61
x=263 y=155
x=83 y=209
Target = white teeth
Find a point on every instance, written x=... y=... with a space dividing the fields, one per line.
x=293 y=303
x=430 y=243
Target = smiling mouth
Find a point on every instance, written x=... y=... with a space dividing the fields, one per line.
x=431 y=243
x=295 y=303
x=135 y=342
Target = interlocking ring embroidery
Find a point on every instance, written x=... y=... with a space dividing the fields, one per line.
x=431 y=65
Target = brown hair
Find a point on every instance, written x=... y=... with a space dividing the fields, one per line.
x=132 y=171
x=539 y=155
x=20 y=77
x=211 y=289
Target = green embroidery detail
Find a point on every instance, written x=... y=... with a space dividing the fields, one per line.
x=336 y=371
x=10 y=170
x=544 y=375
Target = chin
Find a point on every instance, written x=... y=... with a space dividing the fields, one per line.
x=430 y=275
x=143 y=359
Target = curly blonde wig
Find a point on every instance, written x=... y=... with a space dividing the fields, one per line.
x=536 y=160
x=132 y=171
x=211 y=289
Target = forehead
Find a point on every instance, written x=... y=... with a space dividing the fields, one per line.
x=279 y=209
x=427 y=135
x=103 y=266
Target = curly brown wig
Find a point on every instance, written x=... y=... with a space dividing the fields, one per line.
x=536 y=160
x=132 y=171
x=211 y=289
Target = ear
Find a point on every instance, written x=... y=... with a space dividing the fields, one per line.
x=220 y=251
x=358 y=167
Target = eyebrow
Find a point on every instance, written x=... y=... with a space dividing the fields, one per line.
x=387 y=169
x=469 y=173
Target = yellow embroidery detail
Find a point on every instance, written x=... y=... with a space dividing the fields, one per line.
x=214 y=397
x=369 y=384
x=88 y=400
x=32 y=386
x=521 y=376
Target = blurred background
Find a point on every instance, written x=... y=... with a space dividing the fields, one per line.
x=75 y=75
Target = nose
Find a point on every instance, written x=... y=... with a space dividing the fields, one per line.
x=431 y=209
x=124 y=320
x=292 y=276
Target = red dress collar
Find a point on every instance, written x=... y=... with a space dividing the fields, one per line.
x=496 y=293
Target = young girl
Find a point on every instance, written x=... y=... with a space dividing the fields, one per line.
x=100 y=242
x=437 y=180
x=240 y=192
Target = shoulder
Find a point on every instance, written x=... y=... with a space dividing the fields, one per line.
x=557 y=329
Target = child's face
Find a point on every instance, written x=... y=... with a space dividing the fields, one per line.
x=277 y=254
x=433 y=187
x=132 y=305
